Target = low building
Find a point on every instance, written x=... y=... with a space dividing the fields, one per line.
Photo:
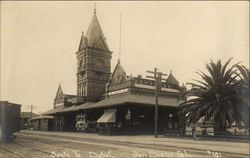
x=25 y=116
x=112 y=103
x=126 y=107
x=43 y=123
x=62 y=102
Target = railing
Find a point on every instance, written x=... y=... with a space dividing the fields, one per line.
x=126 y=84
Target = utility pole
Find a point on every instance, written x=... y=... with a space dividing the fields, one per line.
x=158 y=78
x=31 y=107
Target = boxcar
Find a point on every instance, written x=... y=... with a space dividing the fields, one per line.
x=9 y=120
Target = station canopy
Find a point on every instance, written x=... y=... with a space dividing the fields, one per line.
x=55 y=110
x=111 y=101
x=42 y=117
x=136 y=99
x=77 y=107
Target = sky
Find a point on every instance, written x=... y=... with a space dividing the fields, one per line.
x=39 y=41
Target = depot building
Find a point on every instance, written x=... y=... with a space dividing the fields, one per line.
x=111 y=103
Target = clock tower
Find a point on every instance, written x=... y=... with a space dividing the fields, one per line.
x=93 y=62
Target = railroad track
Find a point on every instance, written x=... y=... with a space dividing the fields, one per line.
x=145 y=146
x=15 y=152
x=42 y=151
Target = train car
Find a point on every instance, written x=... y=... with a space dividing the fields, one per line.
x=9 y=120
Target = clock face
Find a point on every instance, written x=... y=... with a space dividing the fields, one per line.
x=99 y=64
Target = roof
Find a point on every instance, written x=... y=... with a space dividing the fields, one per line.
x=83 y=42
x=117 y=100
x=7 y=103
x=55 y=110
x=59 y=90
x=138 y=99
x=119 y=74
x=94 y=34
x=62 y=109
x=28 y=115
x=60 y=94
x=42 y=117
x=77 y=107
x=171 y=79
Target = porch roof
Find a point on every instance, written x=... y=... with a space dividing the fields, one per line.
x=137 y=99
x=76 y=107
x=55 y=110
x=42 y=117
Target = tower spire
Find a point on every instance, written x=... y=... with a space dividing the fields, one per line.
x=95 y=8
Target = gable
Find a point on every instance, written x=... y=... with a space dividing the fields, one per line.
x=172 y=80
x=59 y=93
x=82 y=42
x=119 y=74
x=100 y=43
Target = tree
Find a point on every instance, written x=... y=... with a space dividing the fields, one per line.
x=244 y=78
x=244 y=92
x=214 y=98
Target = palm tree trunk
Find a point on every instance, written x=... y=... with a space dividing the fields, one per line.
x=220 y=129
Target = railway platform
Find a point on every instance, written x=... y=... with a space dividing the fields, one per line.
x=44 y=144
x=182 y=143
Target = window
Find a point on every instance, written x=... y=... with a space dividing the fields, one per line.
x=128 y=115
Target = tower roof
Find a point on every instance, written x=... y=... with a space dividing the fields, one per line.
x=94 y=35
x=83 y=42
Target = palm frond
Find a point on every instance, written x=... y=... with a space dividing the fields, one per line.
x=218 y=96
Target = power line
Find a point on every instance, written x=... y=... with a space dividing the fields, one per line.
x=31 y=107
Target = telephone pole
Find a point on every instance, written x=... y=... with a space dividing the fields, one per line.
x=158 y=78
x=31 y=107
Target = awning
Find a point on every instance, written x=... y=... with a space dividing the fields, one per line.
x=108 y=116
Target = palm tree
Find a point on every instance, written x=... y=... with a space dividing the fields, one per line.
x=244 y=92
x=214 y=98
x=244 y=77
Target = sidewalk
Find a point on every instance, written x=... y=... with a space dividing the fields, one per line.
x=182 y=143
